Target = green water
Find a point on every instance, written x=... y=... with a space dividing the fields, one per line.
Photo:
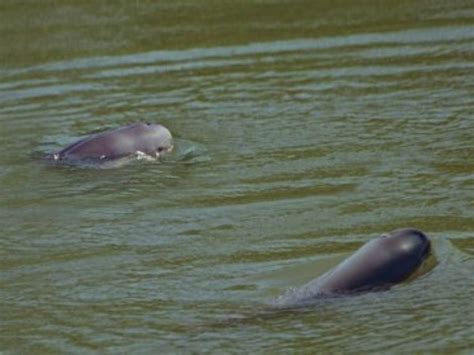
x=303 y=130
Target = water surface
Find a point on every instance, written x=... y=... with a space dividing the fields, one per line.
x=303 y=131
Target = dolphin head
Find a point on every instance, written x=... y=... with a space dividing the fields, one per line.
x=403 y=251
x=158 y=138
x=408 y=240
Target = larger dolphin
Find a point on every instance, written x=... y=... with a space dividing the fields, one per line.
x=379 y=264
x=146 y=139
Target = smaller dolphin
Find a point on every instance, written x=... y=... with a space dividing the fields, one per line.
x=377 y=265
x=140 y=139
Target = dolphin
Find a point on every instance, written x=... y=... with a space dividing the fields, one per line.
x=377 y=265
x=142 y=139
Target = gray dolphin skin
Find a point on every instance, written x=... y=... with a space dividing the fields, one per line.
x=136 y=139
x=377 y=265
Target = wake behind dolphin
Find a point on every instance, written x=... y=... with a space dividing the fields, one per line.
x=377 y=265
x=139 y=139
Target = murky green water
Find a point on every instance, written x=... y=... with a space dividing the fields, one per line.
x=303 y=130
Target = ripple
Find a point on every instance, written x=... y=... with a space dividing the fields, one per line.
x=290 y=152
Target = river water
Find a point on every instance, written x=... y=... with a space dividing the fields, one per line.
x=303 y=129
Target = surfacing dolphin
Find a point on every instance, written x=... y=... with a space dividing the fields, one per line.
x=377 y=265
x=139 y=139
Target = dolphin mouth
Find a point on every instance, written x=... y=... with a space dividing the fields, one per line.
x=426 y=247
x=425 y=253
x=163 y=150
x=166 y=150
